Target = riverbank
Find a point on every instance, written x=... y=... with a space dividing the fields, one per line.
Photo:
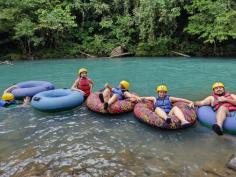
x=76 y=51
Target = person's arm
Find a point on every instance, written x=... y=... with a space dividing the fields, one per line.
x=91 y=85
x=150 y=98
x=74 y=87
x=9 y=89
x=26 y=101
x=205 y=102
x=175 y=99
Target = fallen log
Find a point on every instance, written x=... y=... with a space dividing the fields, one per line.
x=181 y=54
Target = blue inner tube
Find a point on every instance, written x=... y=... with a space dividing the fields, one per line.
x=30 y=88
x=57 y=100
x=207 y=117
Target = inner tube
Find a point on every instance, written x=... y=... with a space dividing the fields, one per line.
x=207 y=117
x=30 y=88
x=144 y=111
x=57 y=100
x=121 y=106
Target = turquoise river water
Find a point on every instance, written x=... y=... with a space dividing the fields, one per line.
x=82 y=143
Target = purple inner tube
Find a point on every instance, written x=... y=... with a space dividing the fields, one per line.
x=30 y=88
x=207 y=116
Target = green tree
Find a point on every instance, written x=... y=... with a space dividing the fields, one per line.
x=212 y=21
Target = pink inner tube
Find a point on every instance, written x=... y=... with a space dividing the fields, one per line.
x=145 y=112
x=121 y=106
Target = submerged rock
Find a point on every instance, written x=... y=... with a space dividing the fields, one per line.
x=126 y=156
x=232 y=163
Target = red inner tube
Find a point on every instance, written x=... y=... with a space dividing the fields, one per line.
x=144 y=111
x=121 y=106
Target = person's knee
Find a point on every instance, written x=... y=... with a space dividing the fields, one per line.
x=222 y=109
x=132 y=99
x=157 y=109
x=106 y=90
x=175 y=108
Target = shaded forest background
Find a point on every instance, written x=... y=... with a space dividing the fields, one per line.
x=69 y=28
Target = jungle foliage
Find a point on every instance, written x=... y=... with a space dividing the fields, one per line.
x=70 y=28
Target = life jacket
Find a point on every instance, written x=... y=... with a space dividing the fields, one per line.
x=120 y=92
x=6 y=103
x=163 y=103
x=84 y=85
x=216 y=105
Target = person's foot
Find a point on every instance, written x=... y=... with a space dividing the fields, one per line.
x=101 y=97
x=185 y=123
x=168 y=120
x=105 y=106
x=217 y=129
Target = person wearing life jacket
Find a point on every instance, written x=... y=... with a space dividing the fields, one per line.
x=222 y=102
x=110 y=94
x=163 y=105
x=83 y=84
x=7 y=100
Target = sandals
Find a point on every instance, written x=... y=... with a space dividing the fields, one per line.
x=105 y=106
x=101 y=97
x=217 y=129
x=168 y=120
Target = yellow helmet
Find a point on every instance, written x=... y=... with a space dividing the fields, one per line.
x=125 y=84
x=217 y=84
x=162 y=88
x=7 y=97
x=82 y=70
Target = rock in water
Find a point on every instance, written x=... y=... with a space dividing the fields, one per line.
x=120 y=51
x=232 y=163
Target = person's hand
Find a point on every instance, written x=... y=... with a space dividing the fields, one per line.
x=82 y=92
x=26 y=101
x=139 y=99
x=142 y=99
x=191 y=105
x=222 y=99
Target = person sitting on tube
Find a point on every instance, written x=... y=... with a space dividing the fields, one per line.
x=222 y=102
x=110 y=94
x=163 y=105
x=8 y=98
x=83 y=84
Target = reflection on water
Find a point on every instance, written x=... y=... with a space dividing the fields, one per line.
x=83 y=143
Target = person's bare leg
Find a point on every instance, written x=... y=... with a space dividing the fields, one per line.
x=162 y=114
x=106 y=94
x=221 y=115
x=113 y=99
x=179 y=114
